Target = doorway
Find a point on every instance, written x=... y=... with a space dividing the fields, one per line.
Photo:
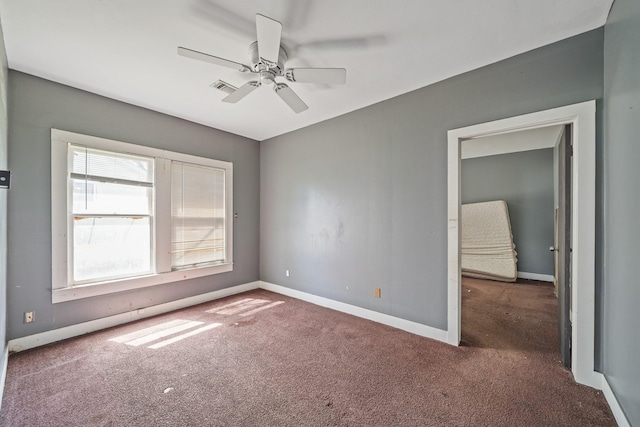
x=507 y=304
x=581 y=117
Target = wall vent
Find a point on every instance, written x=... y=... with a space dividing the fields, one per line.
x=223 y=86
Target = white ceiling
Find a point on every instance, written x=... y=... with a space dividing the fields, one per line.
x=126 y=49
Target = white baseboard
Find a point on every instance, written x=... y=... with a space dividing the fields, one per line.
x=618 y=413
x=536 y=276
x=385 y=319
x=425 y=331
x=31 y=341
x=43 y=338
x=3 y=372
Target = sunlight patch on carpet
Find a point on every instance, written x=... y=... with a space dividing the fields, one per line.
x=147 y=335
x=146 y=331
x=264 y=307
x=245 y=307
x=183 y=336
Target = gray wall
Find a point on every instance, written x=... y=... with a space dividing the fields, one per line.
x=525 y=181
x=360 y=201
x=3 y=207
x=620 y=339
x=35 y=106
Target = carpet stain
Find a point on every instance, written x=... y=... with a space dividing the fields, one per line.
x=326 y=400
x=98 y=418
x=245 y=322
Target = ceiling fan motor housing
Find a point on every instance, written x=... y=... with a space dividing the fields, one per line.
x=258 y=64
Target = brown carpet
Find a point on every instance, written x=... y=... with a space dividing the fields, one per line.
x=262 y=359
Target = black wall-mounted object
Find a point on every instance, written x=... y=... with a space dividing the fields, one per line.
x=5 y=179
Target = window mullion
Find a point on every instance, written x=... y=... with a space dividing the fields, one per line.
x=162 y=210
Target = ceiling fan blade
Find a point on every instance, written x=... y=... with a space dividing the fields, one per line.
x=241 y=92
x=290 y=98
x=183 y=51
x=337 y=76
x=269 y=33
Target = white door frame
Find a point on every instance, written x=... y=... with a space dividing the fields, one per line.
x=582 y=117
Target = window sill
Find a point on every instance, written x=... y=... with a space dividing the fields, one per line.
x=122 y=285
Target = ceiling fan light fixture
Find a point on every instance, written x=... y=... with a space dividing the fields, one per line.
x=267 y=77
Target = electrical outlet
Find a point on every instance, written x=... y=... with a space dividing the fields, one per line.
x=286 y=273
x=376 y=292
x=28 y=316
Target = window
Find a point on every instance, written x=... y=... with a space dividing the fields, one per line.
x=111 y=214
x=126 y=216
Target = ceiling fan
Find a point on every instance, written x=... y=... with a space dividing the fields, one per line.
x=268 y=58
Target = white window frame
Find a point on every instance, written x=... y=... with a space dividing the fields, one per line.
x=62 y=289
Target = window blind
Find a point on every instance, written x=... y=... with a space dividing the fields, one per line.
x=111 y=166
x=197 y=215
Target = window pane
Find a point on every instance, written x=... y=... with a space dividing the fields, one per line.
x=109 y=198
x=111 y=247
x=89 y=161
x=197 y=215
